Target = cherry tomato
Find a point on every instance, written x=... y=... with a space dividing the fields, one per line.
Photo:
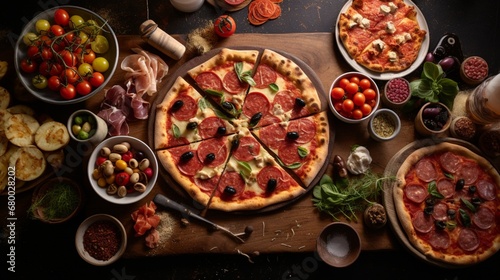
x=354 y=79
x=338 y=106
x=224 y=26
x=39 y=81
x=61 y=17
x=337 y=93
x=55 y=69
x=370 y=94
x=351 y=88
x=42 y=26
x=83 y=87
x=347 y=105
x=343 y=82
x=122 y=178
x=366 y=109
x=47 y=54
x=44 y=68
x=75 y=21
x=100 y=64
x=54 y=83
x=56 y=30
x=96 y=79
x=45 y=40
x=88 y=56
x=372 y=103
x=359 y=99
x=33 y=52
x=69 y=58
x=100 y=44
x=364 y=84
x=85 y=70
x=28 y=65
x=357 y=114
x=70 y=75
x=67 y=92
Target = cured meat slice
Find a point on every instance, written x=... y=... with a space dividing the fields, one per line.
x=305 y=128
x=191 y=166
x=271 y=172
x=248 y=149
x=469 y=171
x=440 y=239
x=440 y=212
x=416 y=192
x=468 y=240
x=273 y=135
x=264 y=76
x=484 y=218
x=187 y=110
x=449 y=162
x=212 y=152
x=207 y=185
x=209 y=81
x=232 y=83
x=209 y=127
x=486 y=190
x=232 y=180
x=425 y=170
x=256 y=102
x=422 y=222
x=446 y=188
x=285 y=99
x=288 y=152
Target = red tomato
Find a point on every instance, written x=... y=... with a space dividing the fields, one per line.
x=47 y=54
x=357 y=114
x=369 y=94
x=70 y=75
x=351 y=88
x=69 y=58
x=33 y=52
x=61 y=17
x=44 y=68
x=46 y=40
x=337 y=93
x=347 y=105
x=54 y=83
x=55 y=69
x=224 y=26
x=366 y=109
x=354 y=79
x=28 y=65
x=359 y=99
x=56 y=30
x=122 y=178
x=88 y=56
x=96 y=79
x=67 y=92
x=83 y=88
x=364 y=84
x=343 y=82
x=338 y=106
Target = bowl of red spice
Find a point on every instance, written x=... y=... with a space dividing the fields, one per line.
x=101 y=239
x=396 y=93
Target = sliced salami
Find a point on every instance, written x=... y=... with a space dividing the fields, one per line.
x=187 y=110
x=232 y=84
x=176 y=141
x=285 y=99
x=264 y=76
x=484 y=218
x=270 y=172
x=305 y=128
x=209 y=81
x=209 y=127
x=425 y=170
x=288 y=152
x=256 y=102
x=234 y=2
x=268 y=119
x=422 y=222
x=449 y=162
x=416 y=192
x=468 y=240
x=469 y=171
x=207 y=185
x=247 y=149
x=233 y=180
x=446 y=188
x=440 y=240
x=272 y=135
x=440 y=212
x=191 y=166
x=486 y=190
x=212 y=152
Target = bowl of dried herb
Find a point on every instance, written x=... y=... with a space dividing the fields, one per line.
x=56 y=200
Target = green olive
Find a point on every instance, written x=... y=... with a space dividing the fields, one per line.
x=86 y=127
x=78 y=120
x=82 y=135
x=76 y=129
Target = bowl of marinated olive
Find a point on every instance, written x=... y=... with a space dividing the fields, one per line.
x=85 y=126
x=122 y=169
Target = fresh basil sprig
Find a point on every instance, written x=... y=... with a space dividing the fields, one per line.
x=432 y=189
x=243 y=76
x=433 y=86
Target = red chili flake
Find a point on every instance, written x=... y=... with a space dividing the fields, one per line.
x=397 y=90
x=102 y=240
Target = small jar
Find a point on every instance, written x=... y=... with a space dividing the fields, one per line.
x=473 y=70
x=463 y=128
x=433 y=119
x=187 y=6
x=489 y=141
x=396 y=93
x=375 y=216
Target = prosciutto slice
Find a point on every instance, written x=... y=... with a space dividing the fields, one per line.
x=144 y=70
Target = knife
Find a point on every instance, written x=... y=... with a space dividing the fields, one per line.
x=168 y=203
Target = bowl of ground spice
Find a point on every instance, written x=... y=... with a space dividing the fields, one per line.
x=101 y=239
x=384 y=125
x=338 y=244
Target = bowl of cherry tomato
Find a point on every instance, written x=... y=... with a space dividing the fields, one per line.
x=66 y=55
x=353 y=97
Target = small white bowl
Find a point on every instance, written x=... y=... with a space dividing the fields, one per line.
x=136 y=145
x=101 y=127
x=387 y=118
x=80 y=233
x=403 y=86
x=338 y=244
x=349 y=75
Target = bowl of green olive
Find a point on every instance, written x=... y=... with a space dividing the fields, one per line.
x=85 y=126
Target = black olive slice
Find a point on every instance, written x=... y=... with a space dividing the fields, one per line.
x=228 y=106
x=440 y=224
x=451 y=213
x=271 y=185
x=229 y=190
x=221 y=130
x=234 y=144
x=177 y=105
x=187 y=156
x=430 y=201
x=476 y=201
x=429 y=209
x=192 y=125
x=255 y=119
x=460 y=184
x=472 y=189
x=210 y=157
x=292 y=135
x=300 y=102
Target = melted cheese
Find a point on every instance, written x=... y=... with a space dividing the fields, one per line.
x=390 y=28
x=378 y=44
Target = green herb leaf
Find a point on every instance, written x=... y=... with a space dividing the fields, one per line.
x=214 y=93
x=246 y=169
x=243 y=76
x=203 y=104
x=294 y=165
x=432 y=189
x=464 y=216
x=274 y=87
x=433 y=86
x=468 y=204
x=176 y=131
x=303 y=152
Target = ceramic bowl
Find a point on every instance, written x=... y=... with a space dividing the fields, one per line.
x=384 y=125
x=396 y=93
x=114 y=232
x=332 y=102
x=420 y=120
x=51 y=96
x=98 y=127
x=338 y=244
x=43 y=200
x=136 y=146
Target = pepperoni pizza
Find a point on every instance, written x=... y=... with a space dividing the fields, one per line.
x=214 y=141
x=447 y=200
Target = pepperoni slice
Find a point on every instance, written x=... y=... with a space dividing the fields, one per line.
x=306 y=129
x=449 y=162
x=288 y=153
x=300 y=112
x=267 y=173
x=268 y=119
x=187 y=110
x=285 y=99
x=272 y=135
x=264 y=76
x=468 y=171
x=209 y=80
x=423 y=223
x=416 y=192
x=234 y=2
x=468 y=240
x=232 y=84
x=247 y=149
x=484 y=218
x=231 y=179
x=440 y=212
x=207 y=185
x=446 y=188
x=173 y=141
x=214 y=146
x=440 y=240
x=190 y=167
x=256 y=102
x=486 y=190
x=425 y=170
x=209 y=126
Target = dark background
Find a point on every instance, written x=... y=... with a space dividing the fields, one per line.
x=476 y=23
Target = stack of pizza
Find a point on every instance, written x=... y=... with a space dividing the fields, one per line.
x=242 y=130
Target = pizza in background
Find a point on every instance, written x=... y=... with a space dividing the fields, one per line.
x=447 y=199
x=242 y=92
x=381 y=35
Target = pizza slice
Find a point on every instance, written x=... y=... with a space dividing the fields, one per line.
x=225 y=77
x=301 y=145
x=185 y=116
x=252 y=179
x=282 y=91
x=197 y=167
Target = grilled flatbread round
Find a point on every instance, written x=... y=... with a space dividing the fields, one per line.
x=4 y=143
x=29 y=163
x=20 y=129
x=4 y=98
x=4 y=115
x=51 y=136
x=21 y=109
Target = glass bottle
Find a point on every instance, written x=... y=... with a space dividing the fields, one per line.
x=483 y=103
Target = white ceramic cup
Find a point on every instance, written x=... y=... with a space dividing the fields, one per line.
x=101 y=128
x=187 y=6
